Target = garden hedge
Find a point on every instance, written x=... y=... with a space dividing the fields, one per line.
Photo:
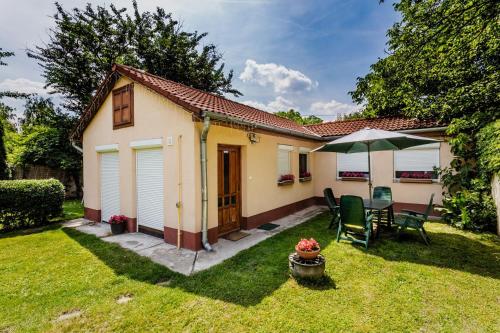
x=29 y=202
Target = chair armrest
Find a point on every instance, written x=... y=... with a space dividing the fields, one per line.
x=411 y=212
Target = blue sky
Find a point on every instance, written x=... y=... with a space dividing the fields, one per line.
x=300 y=54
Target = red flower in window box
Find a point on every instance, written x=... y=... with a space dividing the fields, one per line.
x=307 y=248
x=305 y=174
x=286 y=178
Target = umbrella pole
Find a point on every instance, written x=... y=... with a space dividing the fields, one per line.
x=369 y=174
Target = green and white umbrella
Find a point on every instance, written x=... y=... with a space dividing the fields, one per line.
x=370 y=139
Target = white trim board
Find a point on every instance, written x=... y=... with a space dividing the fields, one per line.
x=107 y=148
x=144 y=144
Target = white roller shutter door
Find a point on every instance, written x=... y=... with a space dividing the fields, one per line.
x=150 y=195
x=110 y=185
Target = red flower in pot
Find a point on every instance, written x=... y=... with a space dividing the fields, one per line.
x=307 y=248
x=118 y=223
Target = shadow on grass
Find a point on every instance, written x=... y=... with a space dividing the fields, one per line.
x=447 y=250
x=244 y=279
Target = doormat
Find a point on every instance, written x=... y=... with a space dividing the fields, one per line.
x=268 y=226
x=236 y=236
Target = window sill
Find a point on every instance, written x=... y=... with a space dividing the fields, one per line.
x=416 y=180
x=353 y=179
x=123 y=125
x=285 y=182
x=305 y=179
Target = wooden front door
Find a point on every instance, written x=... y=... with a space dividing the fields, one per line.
x=228 y=181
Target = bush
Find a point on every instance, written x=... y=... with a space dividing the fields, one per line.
x=27 y=203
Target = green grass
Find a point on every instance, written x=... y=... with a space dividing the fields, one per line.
x=72 y=209
x=451 y=286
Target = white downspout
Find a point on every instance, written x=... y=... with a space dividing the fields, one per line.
x=73 y=144
x=204 y=187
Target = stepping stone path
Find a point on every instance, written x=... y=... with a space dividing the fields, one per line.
x=69 y=315
x=124 y=298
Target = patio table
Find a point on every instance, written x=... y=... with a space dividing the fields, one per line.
x=379 y=205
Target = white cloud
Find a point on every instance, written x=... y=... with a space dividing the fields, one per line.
x=279 y=104
x=332 y=108
x=281 y=78
x=24 y=86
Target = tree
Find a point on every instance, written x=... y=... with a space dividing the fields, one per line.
x=4 y=171
x=298 y=118
x=86 y=42
x=44 y=139
x=444 y=64
x=12 y=94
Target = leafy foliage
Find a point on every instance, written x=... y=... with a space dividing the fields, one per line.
x=44 y=137
x=444 y=64
x=90 y=40
x=298 y=118
x=25 y=203
x=4 y=171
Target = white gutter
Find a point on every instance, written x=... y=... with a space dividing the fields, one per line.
x=235 y=120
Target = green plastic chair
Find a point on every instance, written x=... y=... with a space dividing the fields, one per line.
x=414 y=220
x=332 y=205
x=384 y=193
x=354 y=220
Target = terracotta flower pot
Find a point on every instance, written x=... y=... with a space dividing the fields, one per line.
x=307 y=255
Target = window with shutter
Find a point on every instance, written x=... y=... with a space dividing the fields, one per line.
x=123 y=106
x=352 y=165
x=284 y=161
x=417 y=162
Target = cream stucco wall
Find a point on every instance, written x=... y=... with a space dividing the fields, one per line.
x=157 y=117
x=154 y=117
x=260 y=192
x=382 y=171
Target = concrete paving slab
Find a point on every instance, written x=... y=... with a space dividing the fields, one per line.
x=186 y=261
x=97 y=229
x=136 y=241
x=178 y=260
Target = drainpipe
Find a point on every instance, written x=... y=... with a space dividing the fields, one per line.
x=73 y=144
x=204 y=187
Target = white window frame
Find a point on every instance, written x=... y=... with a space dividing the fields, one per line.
x=428 y=149
x=364 y=169
x=284 y=149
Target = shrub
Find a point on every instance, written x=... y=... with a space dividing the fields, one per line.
x=26 y=203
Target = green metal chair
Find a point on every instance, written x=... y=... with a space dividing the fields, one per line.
x=354 y=220
x=332 y=205
x=414 y=220
x=384 y=193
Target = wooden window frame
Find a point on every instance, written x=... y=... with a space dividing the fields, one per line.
x=130 y=88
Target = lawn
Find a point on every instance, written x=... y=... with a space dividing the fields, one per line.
x=451 y=286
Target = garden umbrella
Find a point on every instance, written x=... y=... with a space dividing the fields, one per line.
x=371 y=139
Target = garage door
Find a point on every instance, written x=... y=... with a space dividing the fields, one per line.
x=150 y=188
x=110 y=185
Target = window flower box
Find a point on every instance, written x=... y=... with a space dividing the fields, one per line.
x=353 y=176
x=425 y=177
x=354 y=179
x=286 y=180
x=305 y=177
x=415 y=180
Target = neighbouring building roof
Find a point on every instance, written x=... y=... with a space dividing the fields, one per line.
x=198 y=101
x=344 y=127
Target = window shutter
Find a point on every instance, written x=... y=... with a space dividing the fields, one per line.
x=283 y=162
x=123 y=106
x=355 y=162
x=420 y=158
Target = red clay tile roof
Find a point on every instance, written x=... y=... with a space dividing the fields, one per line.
x=344 y=127
x=198 y=101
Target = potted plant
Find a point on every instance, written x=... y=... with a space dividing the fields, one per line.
x=118 y=224
x=307 y=249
